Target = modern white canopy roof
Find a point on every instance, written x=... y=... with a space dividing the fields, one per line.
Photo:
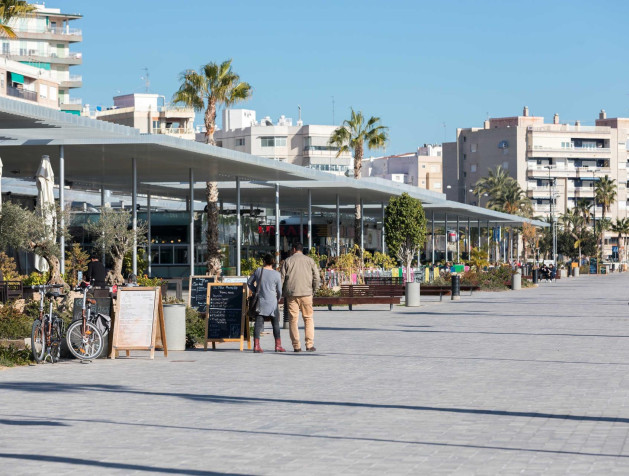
x=99 y=154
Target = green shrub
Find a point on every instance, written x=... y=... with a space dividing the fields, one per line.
x=195 y=327
x=327 y=292
x=35 y=278
x=10 y=356
x=494 y=279
x=13 y=324
x=150 y=282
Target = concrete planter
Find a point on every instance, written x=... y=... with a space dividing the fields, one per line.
x=575 y=272
x=412 y=295
x=175 y=323
x=516 y=280
x=563 y=273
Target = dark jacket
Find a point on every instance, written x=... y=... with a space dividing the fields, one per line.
x=96 y=271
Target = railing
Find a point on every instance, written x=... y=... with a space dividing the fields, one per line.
x=54 y=31
x=172 y=130
x=597 y=150
x=74 y=77
x=567 y=128
x=21 y=93
x=70 y=101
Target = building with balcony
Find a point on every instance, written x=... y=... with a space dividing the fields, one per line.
x=28 y=84
x=422 y=168
x=44 y=41
x=305 y=145
x=555 y=164
x=150 y=114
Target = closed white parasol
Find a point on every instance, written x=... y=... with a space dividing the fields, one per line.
x=45 y=203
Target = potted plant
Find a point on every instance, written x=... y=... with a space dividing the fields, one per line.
x=405 y=233
x=175 y=323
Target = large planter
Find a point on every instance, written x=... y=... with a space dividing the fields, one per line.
x=412 y=295
x=575 y=272
x=175 y=323
x=516 y=280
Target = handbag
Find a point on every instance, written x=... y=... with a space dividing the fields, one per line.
x=254 y=301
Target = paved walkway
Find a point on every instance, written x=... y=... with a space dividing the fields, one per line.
x=528 y=382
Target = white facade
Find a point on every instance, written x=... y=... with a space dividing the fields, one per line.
x=28 y=84
x=150 y=115
x=44 y=40
x=421 y=169
x=305 y=145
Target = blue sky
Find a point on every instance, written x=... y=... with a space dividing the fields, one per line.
x=417 y=65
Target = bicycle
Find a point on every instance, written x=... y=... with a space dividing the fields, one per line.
x=47 y=331
x=85 y=339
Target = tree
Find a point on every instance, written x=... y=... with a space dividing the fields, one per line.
x=493 y=185
x=621 y=228
x=25 y=230
x=10 y=9
x=605 y=192
x=405 y=229
x=76 y=260
x=352 y=135
x=215 y=85
x=114 y=234
x=575 y=224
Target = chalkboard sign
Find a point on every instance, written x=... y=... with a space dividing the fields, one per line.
x=103 y=306
x=225 y=318
x=197 y=296
x=593 y=266
x=139 y=321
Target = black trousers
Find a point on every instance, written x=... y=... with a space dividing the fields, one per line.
x=275 y=320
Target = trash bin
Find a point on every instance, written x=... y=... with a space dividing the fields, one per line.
x=575 y=272
x=456 y=287
x=516 y=280
x=534 y=275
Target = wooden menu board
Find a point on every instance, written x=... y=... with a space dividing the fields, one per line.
x=197 y=295
x=139 y=321
x=226 y=319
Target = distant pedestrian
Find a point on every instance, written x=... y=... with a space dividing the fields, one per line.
x=268 y=283
x=300 y=281
x=96 y=271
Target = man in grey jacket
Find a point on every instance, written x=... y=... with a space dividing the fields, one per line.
x=300 y=281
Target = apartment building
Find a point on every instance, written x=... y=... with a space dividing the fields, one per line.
x=422 y=168
x=150 y=114
x=555 y=164
x=305 y=145
x=29 y=84
x=43 y=42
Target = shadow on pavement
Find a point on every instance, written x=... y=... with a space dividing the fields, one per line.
x=31 y=423
x=92 y=463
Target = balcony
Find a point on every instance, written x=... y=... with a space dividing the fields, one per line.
x=34 y=56
x=22 y=93
x=61 y=34
x=540 y=171
x=70 y=104
x=74 y=81
x=569 y=152
x=174 y=131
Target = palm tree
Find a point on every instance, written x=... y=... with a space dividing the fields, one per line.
x=605 y=194
x=510 y=198
x=574 y=223
x=215 y=85
x=352 y=135
x=10 y=9
x=584 y=208
x=493 y=185
x=621 y=227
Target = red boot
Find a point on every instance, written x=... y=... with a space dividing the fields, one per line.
x=256 y=346
x=278 y=346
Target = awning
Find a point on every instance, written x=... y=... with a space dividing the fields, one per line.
x=17 y=78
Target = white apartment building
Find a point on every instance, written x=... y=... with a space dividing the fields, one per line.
x=43 y=42
x=422 y=168
x=549 y=161
x=305 y=145
x=150 y=114
x=28 y=84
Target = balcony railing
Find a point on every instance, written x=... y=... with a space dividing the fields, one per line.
x=569 y=150
x=21 y=93
x=567 y=128
x=54 y=31
x=70 y=101
x=172 y=131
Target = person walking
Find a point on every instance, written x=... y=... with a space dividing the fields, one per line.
x=96 y=272
x=300 y=281
x=268 y=284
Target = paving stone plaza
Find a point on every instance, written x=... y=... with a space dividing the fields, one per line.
x=527 y=382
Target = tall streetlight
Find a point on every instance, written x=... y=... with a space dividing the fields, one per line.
x=551 y=184
x=449 y=187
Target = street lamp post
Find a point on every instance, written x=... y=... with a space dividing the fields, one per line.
x=464 y=187
x=551 y=185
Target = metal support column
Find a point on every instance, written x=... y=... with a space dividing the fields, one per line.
x=383 y=235
x=301 y=227
x=338 y=226
x=134 y=222
x=488 y=239
x=192 y=242
x=102 y=207
x=458 y=246
x=479 y=230
x=62 y=181
x=432 y=236
x=468 y=232
x=149 y=256
x=238 y=227
x=277 y=224
x=362 y=227
x=309 y=219
x=445 y=234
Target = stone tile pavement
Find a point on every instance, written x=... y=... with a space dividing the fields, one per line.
x=528 y=382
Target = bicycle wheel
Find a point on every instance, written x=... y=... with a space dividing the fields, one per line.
x=38 y=340
x=55 y=340
x=84 y=346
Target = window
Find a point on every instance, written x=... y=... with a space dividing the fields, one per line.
x=505 y=165
x=464 y=156
x=437 y=185
x=43 y=91
x=219 y=143
x=273 y=141
x=464 y=139
x=423 y=166
x=240 y=142
x=473 y=168
x=464 y=174
x=474 y=147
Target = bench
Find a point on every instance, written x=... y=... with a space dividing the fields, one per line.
x=10 y=290
x=350 y=301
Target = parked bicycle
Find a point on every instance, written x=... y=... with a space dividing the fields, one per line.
x=48 y=328
x=85 y=337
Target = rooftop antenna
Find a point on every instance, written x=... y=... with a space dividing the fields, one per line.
x=147 y=81
x=299 y=121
